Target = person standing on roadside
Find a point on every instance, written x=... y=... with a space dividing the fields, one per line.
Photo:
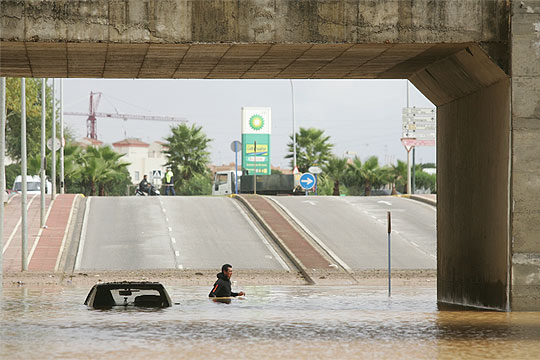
x=169 y=182
x=222 y=286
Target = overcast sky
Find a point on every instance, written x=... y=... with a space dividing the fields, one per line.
x=362 y=116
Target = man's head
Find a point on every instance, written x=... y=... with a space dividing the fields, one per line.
x=227 y=270
x=168 y=169
x=145 y=176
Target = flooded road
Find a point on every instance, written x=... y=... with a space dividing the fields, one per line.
x=297 y=322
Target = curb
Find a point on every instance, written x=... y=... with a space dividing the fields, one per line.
x=278 y=241
x=424 y=200
x=315 y=239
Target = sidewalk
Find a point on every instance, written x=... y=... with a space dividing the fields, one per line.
x=49 y=249
x=44 y=245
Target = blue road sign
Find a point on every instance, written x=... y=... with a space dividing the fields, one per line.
x=307 y=181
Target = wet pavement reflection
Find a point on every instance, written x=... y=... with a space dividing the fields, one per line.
x=271 y=322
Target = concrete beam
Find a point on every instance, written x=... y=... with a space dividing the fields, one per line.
x=259 y=21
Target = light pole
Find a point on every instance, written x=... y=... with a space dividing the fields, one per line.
x=2 y=164
x=293 y=125
x=53 y=137
x=43 y=140
x=24 y=230
x=61 y=136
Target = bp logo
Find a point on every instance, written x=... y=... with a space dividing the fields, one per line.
x=256 y=122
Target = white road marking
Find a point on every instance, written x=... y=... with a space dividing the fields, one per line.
x=414 y=244
x=17 y=226
x=38 y=237
x=83 y=234
x=166 y=219
x=181 y=267
x=173 y=240
x=170 y=228
x=177 y=253
x=314 y=203
x=263 y=239
x=384 y=202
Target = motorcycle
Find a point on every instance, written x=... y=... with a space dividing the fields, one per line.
x=152 y=191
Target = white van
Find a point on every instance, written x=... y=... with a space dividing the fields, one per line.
x=33 y=185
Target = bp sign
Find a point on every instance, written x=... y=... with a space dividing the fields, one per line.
x=256 y=129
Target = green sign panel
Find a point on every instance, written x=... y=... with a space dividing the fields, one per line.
x=256 y=125
x=256 y=152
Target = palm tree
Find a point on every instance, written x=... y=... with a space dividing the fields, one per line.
x=101 y=167
x=187 y=152
x=369 y=172
x=72 y=163
x=336 y=169
x=398 y=173
x=312 y=147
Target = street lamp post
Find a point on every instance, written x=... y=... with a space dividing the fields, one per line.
x=61 y=136
x=293 y=125
x=43 y=140
x=24 y=229
x=2 y=164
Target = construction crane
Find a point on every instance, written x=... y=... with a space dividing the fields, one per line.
x=93 y=114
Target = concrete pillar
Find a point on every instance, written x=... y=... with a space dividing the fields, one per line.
x=472 y=95
x=472 y=193
x=525 y=189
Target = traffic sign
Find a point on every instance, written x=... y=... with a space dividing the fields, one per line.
x=307 y=181
x=56 y=144
x=156 y=174
x=236 y=146
x=419 y=123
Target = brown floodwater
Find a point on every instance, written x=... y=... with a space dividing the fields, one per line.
x=272 y=322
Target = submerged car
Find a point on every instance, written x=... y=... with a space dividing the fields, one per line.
x=127 y=293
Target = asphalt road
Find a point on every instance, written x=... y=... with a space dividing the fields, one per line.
x=355 y=229
x=124 y=233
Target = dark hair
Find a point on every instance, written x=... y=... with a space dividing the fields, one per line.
x=225 y=267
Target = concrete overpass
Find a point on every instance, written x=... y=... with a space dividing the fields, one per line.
x=478 y=61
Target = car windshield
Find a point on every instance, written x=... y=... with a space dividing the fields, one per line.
x=31 y=186
x=135 y=296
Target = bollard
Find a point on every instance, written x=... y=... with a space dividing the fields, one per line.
x=389 y=260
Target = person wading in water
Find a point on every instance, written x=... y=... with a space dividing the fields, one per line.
x=222 y=287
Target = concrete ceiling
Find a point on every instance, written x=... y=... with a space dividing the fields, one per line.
x=219 y=61
x=443 y=72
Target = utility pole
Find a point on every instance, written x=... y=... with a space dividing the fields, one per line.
x=53 y=137
x=413 y=187
x=61 y=136
x=24 y=230
x=43 y=140
x=293 y=126
x=2 y=166
x=408 y=151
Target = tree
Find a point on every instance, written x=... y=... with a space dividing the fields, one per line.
x=398 y=176
x=369 y=172
x=335 y=170
x=102 y=168
x=72 y=164
x=187 y=153
x=33 y=117
x=312 y=147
